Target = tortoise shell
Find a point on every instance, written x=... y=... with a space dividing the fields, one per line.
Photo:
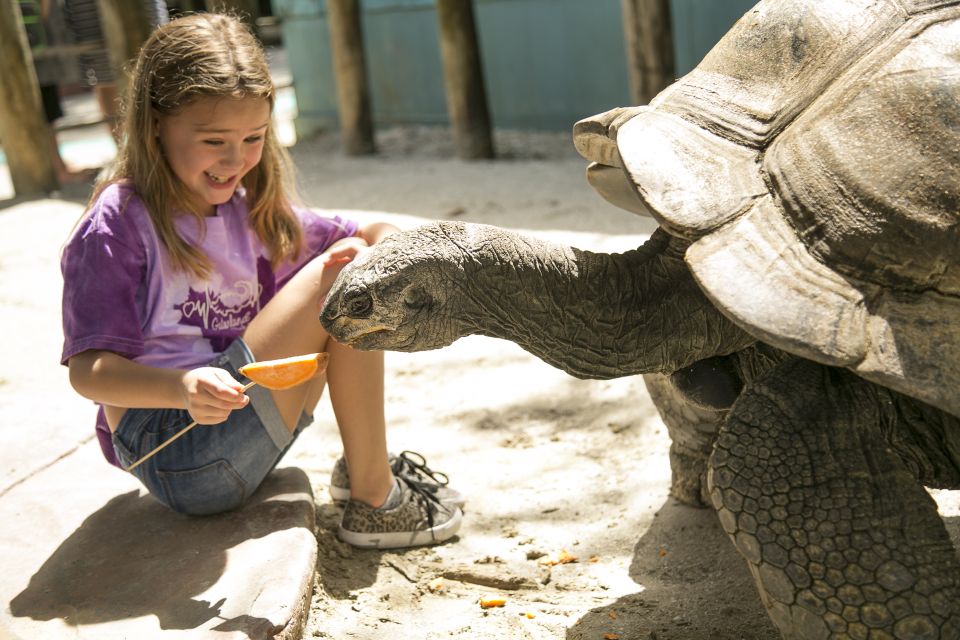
x=813 y=159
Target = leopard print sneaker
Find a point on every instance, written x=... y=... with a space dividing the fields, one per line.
x=408 y=464
x=414 y=519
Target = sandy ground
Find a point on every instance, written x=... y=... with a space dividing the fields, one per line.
x=549 y=463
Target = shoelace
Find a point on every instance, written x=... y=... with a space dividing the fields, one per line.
x=426 y=492
x=414 y=465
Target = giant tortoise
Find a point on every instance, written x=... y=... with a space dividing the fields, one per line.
x=804 y=284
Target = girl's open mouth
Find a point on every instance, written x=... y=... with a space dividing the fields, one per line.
x=217 y=180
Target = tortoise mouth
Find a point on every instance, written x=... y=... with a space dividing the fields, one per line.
x=363 y=336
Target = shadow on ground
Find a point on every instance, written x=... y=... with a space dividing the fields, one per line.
x=129 y=559
x=684 y=545
x=341 y=569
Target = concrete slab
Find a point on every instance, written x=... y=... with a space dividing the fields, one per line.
x=87 y=554
x=43 y=418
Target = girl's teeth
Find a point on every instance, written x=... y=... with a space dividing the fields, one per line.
x=216 y=179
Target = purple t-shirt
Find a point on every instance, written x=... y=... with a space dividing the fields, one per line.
x=121 y=293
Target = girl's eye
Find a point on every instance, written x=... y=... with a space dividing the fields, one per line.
x=254 y=139
x=213 y=143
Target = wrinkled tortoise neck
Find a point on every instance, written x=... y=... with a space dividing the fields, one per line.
x=593 y=315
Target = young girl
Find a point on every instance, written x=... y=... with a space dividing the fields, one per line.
x=191 y=262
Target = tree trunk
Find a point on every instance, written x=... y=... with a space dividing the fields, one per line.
x=25 y=133
x=463 y=79
x=649 y=42
x=126 y=26
x=353 y=95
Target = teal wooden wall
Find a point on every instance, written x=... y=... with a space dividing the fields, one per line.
x=547 y=63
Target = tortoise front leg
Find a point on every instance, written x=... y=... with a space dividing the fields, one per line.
x=693 y=402
x=841 y=538
x=693 y=430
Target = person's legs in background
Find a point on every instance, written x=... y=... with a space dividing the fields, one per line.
x=50 y=96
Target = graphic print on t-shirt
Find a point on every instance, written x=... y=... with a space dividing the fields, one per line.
x=221 y=314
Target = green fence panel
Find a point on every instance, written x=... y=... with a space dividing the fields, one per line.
x=403 y=62
x=546 y=63
x=306 y=39
x=699 y=24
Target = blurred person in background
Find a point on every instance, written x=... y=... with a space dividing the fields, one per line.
x=83 y=21
x=46 y=30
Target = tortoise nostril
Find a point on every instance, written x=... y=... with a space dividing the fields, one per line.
x=357 y=305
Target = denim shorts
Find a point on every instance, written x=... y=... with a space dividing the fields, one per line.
x=211 y=468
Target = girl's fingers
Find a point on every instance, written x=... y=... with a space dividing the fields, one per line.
x=215 y=413
x=229 y=394
x=227 y=404
x=226 y=386
x=343 y=254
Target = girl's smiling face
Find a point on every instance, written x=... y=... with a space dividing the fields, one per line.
x=212 y=143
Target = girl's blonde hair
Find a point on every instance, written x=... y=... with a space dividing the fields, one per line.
x=199 y=56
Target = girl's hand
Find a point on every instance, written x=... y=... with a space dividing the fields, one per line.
x=210 y=394
x=345 y=250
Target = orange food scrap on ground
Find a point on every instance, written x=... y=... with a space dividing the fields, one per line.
x=487 y=602
x=435 y=585
x=612 y=614
x=594 y=559
x=564 y=557
x=611 y=636
x=529 y=615
x=663 y=552
x=285 y=372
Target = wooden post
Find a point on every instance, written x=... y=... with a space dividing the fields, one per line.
x=349 y=68
x=126 y=26
x=463 y=79
x=649 y=42
x=25 y=133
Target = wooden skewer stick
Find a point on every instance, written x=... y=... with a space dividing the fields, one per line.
x=175 y=436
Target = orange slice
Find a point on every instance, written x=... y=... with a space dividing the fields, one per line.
x=285 y=372
x=488 y=602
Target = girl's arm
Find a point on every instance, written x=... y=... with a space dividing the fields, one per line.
x=346 y=249
x=375 y=232
x=209 y=394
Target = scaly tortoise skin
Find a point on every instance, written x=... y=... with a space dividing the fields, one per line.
x=804 y=285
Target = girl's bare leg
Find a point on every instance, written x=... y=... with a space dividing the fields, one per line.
x=357 y=397
x=289 y=325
